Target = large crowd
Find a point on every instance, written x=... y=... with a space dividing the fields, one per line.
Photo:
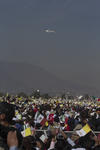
x=53 y=124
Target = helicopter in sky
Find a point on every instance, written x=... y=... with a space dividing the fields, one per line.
x=50 y=31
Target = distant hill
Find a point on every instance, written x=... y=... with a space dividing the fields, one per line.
x=18 y=77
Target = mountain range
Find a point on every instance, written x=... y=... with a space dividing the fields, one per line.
x=24 y=77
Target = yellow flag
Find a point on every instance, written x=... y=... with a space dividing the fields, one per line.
x=66 y=125
x=16 y=113
x=61 y=105
x=46 y=124
x=86 y=128
x=28 y=132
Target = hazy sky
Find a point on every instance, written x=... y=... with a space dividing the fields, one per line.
x=73 y=52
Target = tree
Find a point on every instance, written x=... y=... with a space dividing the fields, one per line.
x=63 y=96
x=70 y=97
x=22 y=94
x=46 y=96
x=2 y=94
x=36 y=94
x=86 y=96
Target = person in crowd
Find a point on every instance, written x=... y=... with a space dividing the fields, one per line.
x=7 y=113
x=41 y=124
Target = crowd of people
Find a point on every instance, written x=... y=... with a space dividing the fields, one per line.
x=53 y=124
